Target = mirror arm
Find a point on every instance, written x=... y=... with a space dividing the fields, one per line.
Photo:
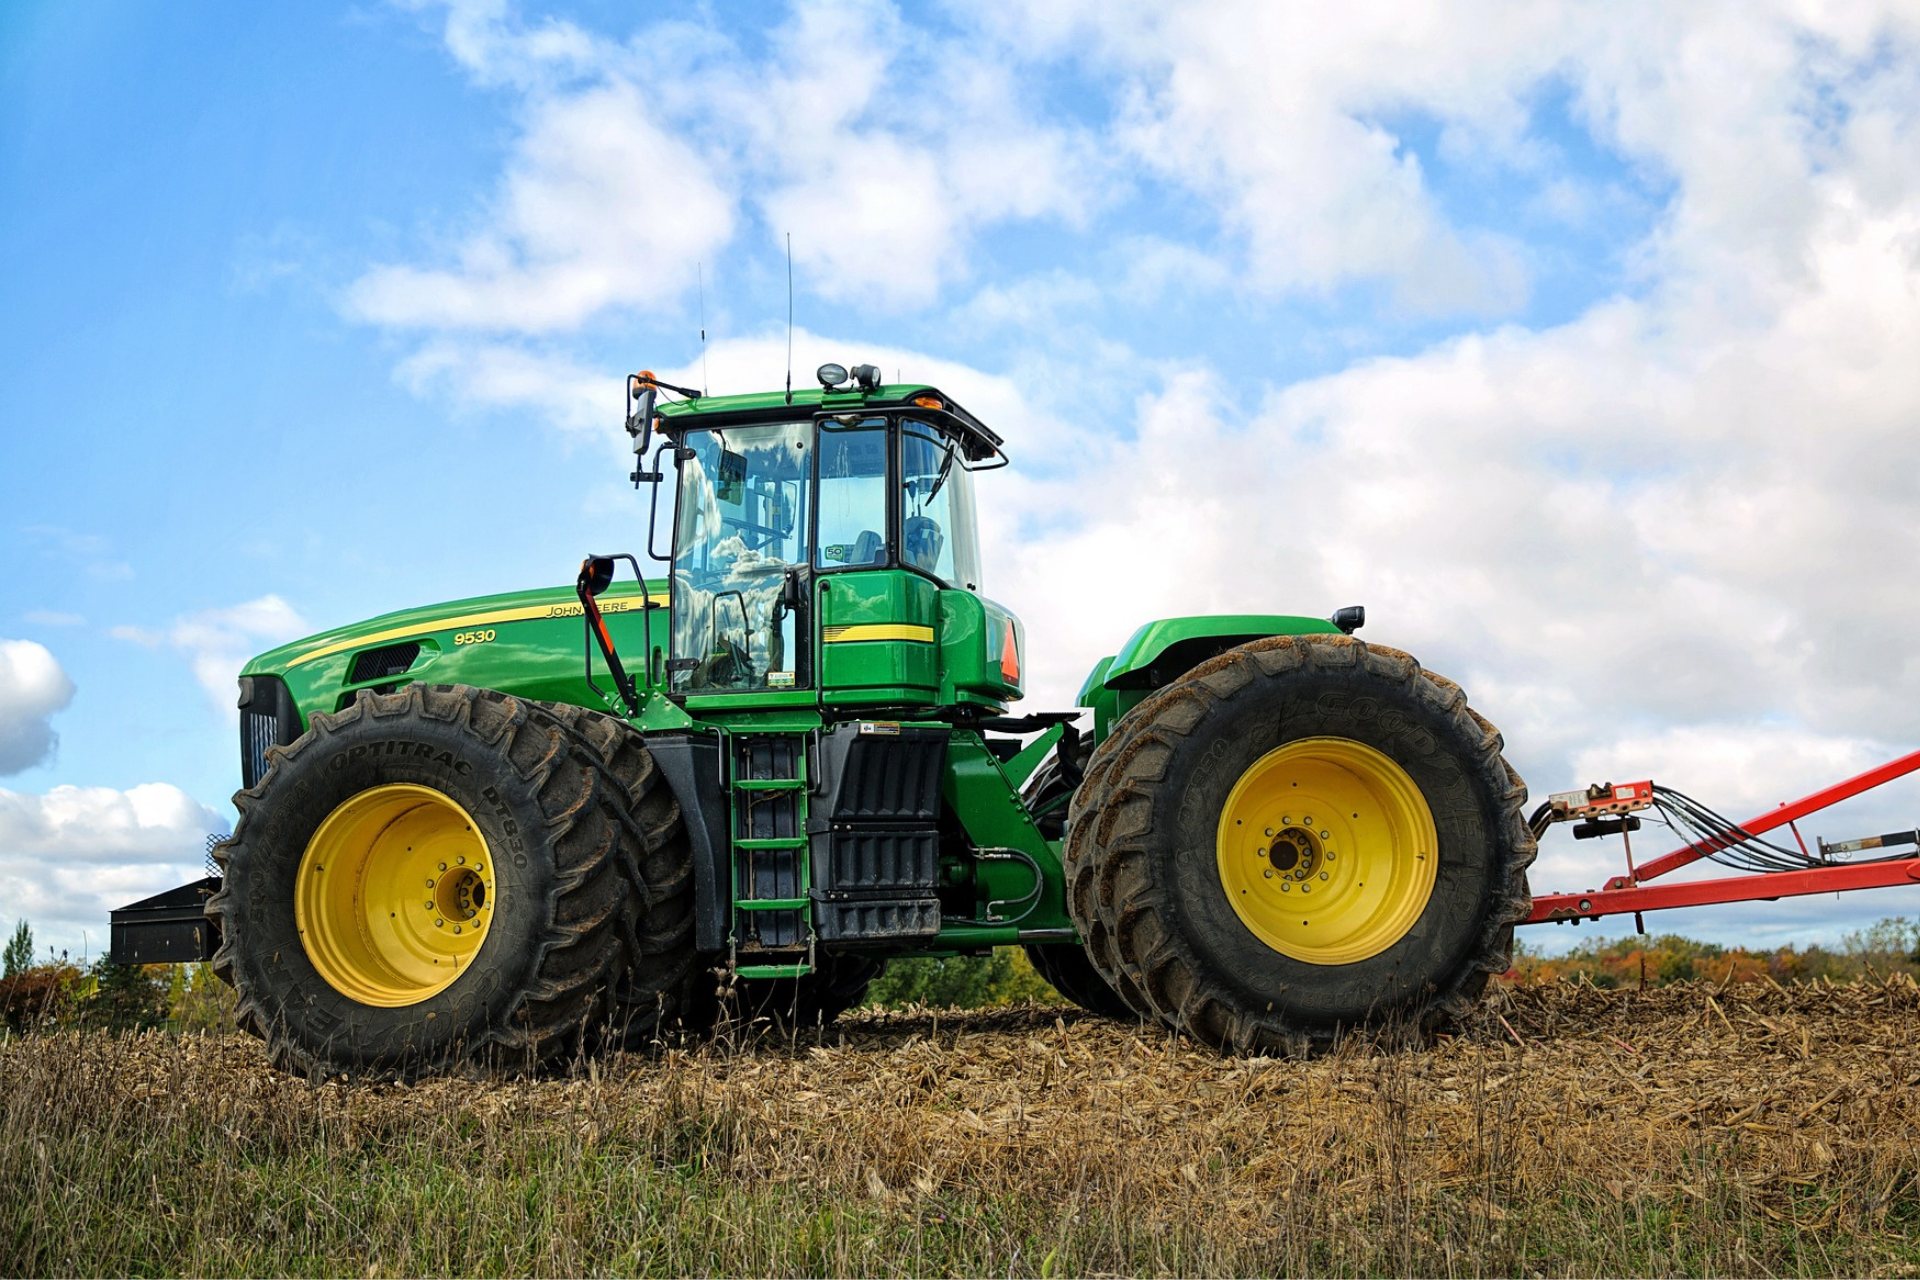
x=653 y=504
x=596 y=573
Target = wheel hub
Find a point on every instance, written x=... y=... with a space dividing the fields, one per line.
x=394 y=895
x=1327 y=850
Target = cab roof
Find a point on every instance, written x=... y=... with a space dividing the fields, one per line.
x=980 y=441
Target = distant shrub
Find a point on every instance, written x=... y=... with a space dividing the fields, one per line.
x=1888 y=947
x=41 y=997
x=1001 y=977
x=124 y=997
x=18 y=956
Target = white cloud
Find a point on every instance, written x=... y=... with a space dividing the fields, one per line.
x=218 y=642
x=1295 y=122
x=635 y=162
x=574 y=400
x=32 y=688
x=599 y=207
x=71 y=855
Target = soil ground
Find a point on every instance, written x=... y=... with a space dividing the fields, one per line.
x=1694 y=1129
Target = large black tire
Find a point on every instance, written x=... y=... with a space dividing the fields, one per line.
x=572 y=909
x=837 y=985
x=1066 y=967
x=1094 y=795
x=1147 y=891
x=658 y=992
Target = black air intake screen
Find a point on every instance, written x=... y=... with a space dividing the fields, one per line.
x=268 y=718
x=378 y=664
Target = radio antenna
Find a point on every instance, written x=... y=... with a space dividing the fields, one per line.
x=701 y=277
x=789 y=317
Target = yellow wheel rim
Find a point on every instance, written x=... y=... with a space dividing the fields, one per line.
x=394 y=895
x=1327 y=850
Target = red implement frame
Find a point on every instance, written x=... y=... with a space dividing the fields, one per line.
x=1633 y=893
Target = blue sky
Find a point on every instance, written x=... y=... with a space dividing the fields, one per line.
x=1575 y=341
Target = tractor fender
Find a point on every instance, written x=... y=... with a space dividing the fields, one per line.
x=1165 y=649
x=690 y=762
x=1169 y=647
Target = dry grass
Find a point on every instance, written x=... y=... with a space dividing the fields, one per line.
x=1751 y=1130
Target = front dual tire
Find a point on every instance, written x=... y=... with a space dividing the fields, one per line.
x=445 y=877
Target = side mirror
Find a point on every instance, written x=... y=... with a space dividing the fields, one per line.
x=640 y=420
x=596 y=574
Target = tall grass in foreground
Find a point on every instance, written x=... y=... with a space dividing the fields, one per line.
x=1572 y=1130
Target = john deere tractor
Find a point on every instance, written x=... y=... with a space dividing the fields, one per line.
x=509 y=829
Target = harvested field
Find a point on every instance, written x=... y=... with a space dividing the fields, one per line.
x=1572 y=1130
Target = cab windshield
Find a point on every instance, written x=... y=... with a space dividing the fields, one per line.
x=742 y=526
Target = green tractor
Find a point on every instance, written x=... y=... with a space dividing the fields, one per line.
x=471 y=835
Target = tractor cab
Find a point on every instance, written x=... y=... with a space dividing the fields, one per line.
x=832 y=521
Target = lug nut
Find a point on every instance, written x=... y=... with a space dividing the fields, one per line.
x=1323 y=875
x=1286 y=886
x=439 y=924
x=1323 y=835
x=443 y=866
x=1267 y=874
x=1270 y=830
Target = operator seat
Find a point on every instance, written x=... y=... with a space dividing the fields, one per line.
x=923 y=543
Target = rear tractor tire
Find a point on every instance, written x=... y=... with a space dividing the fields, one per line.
x=447 y=877
x=1303 y=836
x=1063 y=966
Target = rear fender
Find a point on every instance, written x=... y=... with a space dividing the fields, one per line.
x=1163 y=650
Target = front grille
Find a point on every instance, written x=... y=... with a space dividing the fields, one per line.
x=257 y=732
x=268 y=719
x=378 y=664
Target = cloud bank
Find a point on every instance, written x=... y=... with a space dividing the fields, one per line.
x=33 y=687
x=72 y=855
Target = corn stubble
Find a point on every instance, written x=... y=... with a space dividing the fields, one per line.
x=1570 y=1130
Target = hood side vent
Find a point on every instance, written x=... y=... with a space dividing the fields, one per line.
x=379 y=664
